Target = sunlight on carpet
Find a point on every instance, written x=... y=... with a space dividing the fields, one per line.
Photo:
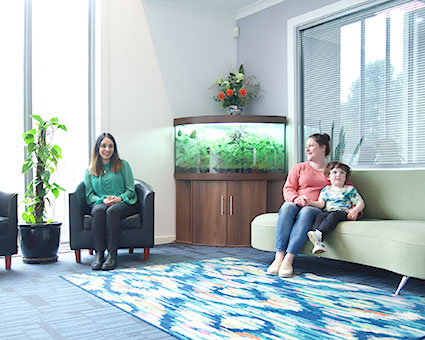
x=229 y=298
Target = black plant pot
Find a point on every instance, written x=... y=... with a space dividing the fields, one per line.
x=40 y=242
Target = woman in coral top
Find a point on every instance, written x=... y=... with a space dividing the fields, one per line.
x=296 y=216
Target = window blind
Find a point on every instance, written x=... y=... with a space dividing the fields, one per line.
x=362 y=81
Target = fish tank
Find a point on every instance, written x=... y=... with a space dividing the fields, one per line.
x=230 y=144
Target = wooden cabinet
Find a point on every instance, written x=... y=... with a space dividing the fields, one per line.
x=228 y=170
x=219 y=212
x=223 y=211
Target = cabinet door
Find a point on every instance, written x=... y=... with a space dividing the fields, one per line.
x=209 y=203
x=246 y=199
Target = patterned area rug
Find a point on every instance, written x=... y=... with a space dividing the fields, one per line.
x=229 y=298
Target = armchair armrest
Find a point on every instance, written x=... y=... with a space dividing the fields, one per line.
x=145 y=204
x=77 y=207
x=9 y=209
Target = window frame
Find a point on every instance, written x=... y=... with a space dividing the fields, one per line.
x=294 y=66
x=92 y=10
x=28 y=76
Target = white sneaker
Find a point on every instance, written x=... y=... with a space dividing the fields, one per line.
x=318 y=248
x=315 y=236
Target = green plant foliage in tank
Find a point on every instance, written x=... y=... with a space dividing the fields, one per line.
x=238 y=151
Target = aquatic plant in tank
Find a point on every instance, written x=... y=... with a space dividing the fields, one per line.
x=230 y=147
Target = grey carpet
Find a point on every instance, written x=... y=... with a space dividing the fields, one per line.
x=35 y=303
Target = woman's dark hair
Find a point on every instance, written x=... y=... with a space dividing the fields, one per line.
x=322 y=139
x=96 y=165
x=337 y=165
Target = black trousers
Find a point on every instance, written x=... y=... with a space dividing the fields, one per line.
x=106 y=224
x=328 y=220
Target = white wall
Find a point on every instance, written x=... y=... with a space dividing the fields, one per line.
x=135 y=107
x=194 y=48
x=157 y=63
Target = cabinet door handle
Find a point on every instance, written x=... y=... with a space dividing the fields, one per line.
x=222 y=205
x=231 y=206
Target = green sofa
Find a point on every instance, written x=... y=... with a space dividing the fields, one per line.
x=390 y=235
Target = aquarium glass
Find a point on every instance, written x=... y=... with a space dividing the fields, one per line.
x=230 y=147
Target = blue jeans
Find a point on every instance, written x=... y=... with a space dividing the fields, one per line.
x=293 y=224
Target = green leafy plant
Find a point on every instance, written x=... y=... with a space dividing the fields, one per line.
x=236 y=89
x=41 y=163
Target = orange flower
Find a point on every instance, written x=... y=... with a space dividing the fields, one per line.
x=220 y=96
x=242 y=92
x=229 y=92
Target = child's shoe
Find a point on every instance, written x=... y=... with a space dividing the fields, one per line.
x=318 y=248
x=315 y=237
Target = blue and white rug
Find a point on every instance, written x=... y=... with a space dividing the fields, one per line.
x=229 y=298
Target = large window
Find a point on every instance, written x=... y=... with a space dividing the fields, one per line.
x=46 y=68
x=12 y=92
x=60 y=78
x=363 y=82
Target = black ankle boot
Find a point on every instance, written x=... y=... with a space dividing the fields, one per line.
x=98 y=260
x=111 y=261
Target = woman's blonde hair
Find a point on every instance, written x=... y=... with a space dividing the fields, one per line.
x=96 y=165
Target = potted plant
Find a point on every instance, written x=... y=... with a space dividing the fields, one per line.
x=39 y=235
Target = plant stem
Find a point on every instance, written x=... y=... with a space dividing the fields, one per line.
x=39 y=188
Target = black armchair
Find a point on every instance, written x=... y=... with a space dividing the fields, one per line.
x=137 y=231
x=8 y=226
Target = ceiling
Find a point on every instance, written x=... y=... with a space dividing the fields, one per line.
x=230 y=8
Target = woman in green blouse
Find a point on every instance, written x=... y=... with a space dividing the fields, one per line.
x=111 y=196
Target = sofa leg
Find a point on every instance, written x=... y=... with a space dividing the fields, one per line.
x=8 y=260
x=78 y=256
x=146 y=254
x=401 y=284
x=130 y=250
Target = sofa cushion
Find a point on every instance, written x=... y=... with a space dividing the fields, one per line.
x=400 y=231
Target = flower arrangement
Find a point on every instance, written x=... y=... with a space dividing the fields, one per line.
x=236 y=89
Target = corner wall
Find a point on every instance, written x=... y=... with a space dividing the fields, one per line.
x=194 y=47
x=135 y=107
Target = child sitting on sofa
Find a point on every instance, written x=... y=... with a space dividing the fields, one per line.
x=341 y=202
